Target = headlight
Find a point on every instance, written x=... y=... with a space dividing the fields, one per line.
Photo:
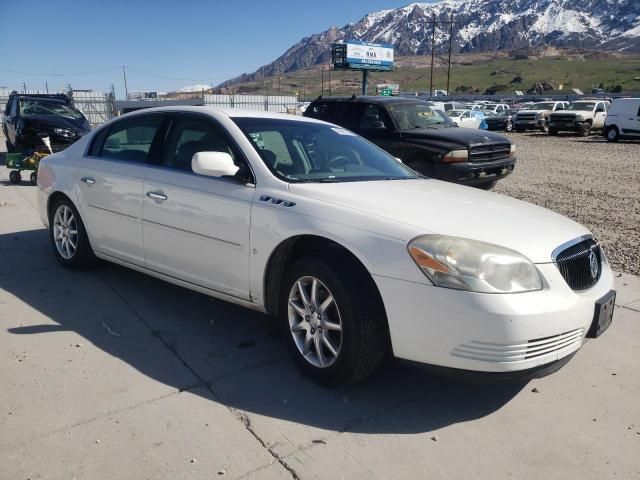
x=475 y=266
x=512 y=150
x=456 y=156
x=62 y=131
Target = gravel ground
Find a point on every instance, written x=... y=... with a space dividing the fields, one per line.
x=590 y=180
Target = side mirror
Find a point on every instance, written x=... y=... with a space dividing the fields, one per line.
x=213 y=164
x=378 y=125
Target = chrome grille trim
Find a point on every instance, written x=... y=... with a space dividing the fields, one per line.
x=517 y=352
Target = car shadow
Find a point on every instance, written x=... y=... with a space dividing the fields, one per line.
x=238 y=353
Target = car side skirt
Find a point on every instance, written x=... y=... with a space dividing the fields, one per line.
x=181 y=283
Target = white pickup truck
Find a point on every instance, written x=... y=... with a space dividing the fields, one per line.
x=580 y=117
x=535 y=117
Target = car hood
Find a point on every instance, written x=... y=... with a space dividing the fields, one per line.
x=536 y=112
x=457 y=136
x=571 y=112
x=57 y=121
x=433 y=206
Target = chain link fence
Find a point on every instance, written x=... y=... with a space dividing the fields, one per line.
x=267 y=103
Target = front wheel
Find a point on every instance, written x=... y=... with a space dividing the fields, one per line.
x=508 y=127
x=34 y=178
x=613 y=135
x=15 y=177
x=585 y=129
x=68 y=236
x=334 y=319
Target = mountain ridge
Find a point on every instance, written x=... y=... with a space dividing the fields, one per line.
x=482 y=25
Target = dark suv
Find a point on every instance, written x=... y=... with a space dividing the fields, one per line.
x=29 y=118
x=422 y=137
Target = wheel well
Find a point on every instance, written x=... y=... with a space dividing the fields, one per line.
x=53 y=198
x=305 y=245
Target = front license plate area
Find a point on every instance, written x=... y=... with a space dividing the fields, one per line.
x=603 y=315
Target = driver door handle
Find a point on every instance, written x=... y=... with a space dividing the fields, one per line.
x=157 y=196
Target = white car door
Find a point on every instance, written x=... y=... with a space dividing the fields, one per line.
x=196 y=228
x=109 y=186
x=600 y=113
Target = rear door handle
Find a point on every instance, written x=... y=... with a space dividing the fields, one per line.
x=88 y=180
x=157 y=196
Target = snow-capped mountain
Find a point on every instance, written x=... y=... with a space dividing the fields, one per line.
x=194 y=88
x=481 y=25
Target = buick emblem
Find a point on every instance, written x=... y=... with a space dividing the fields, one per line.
x=593 y=264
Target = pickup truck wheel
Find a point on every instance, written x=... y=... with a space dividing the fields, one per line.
x=585 y=129
x=335 y=324
x=544 y=128
x=508 y=127
x=68 y=237
x=613 y=135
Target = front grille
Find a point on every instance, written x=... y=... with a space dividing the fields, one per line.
x=488 y=153
x=563 y=118
x=517 y=352
x=526 y=116
x=580 y=264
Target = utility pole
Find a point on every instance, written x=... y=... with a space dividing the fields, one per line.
x=126 y=90
x=46 y=85
x=450 y=44
x=329 y=80
x=24 y=87
x=433 y=53
x=322 y=81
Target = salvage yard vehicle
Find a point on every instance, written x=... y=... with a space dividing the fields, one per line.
x=422 y=138
x=29 y=117
x=536 y=116
x=501 y=121
x=581 y=117
x=464 y=119
x=353 y=251
x=623 y=119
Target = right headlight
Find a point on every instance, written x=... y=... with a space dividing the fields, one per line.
x=464 y=264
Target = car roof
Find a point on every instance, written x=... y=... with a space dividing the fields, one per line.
x=371 y=99
x=229 y=112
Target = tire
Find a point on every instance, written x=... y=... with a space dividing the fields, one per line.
x=61 y=226
x=15 y=177
x=585 y=130
x=544 y=128
x=553 y=132
x=487 y=185
x=612 y=134
x=357 y=337
x=508 y=127
x=34 y=178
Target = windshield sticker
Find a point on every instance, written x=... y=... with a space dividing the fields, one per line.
x=342 y=131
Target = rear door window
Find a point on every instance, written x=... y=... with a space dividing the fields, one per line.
x=131 y=139
x=340 y=113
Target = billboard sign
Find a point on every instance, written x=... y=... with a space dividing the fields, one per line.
x=354 y=54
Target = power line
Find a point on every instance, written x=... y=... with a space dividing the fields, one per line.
x=174 y=78
x=60 y=74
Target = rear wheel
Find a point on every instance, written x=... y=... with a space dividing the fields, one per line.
x=68 y=236
x=335 y=322
x=613 y=135
x=15 y=177
x=33 y=178
x=508 y=127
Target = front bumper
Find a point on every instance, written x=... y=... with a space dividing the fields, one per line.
x=529 y=124
x=474 y=173
x=490 y=332
x=566 y=126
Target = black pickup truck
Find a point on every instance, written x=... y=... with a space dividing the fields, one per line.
x=422 y=137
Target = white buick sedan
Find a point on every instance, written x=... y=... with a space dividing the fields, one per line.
x=352 y=251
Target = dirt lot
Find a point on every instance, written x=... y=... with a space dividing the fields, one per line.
x=594 y=182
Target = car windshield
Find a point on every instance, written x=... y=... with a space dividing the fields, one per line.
x=415 y=115
x=299 y=151
x=581 y=106
x=455 y=113
x=29 y=107
x=541 y=106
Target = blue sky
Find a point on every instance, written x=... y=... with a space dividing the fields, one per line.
x=193 y=41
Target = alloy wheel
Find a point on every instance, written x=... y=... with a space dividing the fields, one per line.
x=315 y=322
x=65 y=232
